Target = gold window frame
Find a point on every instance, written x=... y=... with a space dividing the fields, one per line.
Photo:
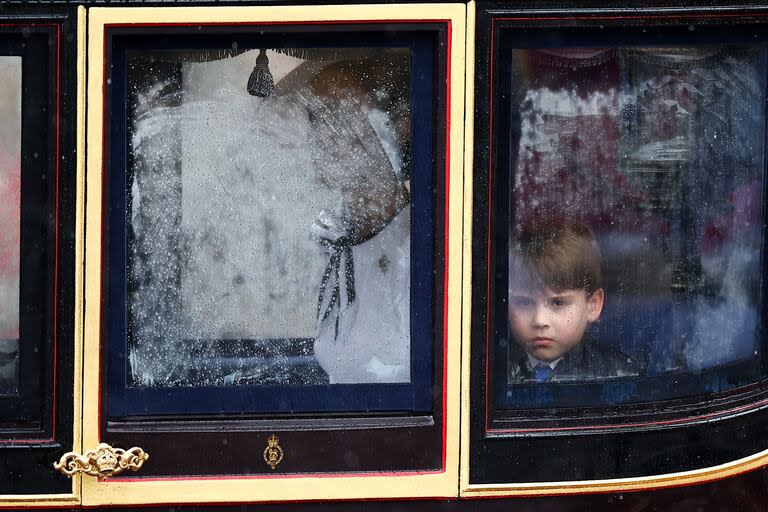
x=237 y=489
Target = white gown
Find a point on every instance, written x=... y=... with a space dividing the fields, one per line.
x=372 y=343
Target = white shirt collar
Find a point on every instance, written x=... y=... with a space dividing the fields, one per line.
x=535 y=362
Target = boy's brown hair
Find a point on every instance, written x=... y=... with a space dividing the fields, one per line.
x=554 y=252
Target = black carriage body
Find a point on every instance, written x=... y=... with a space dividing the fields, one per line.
x=516 y=455
x=37 y=409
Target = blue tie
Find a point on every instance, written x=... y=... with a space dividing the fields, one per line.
x=542 y=372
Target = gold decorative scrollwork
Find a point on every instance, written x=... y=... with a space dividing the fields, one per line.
x=104 y=461
x=273 y=453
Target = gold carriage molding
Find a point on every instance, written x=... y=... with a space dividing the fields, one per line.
x=387 y=426
x=103 y=462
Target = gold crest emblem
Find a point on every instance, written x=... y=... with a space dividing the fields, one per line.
x=273 y=453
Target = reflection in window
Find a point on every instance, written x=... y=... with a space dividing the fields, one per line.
x=658 y=154
x=10 y=211
x=268 y=236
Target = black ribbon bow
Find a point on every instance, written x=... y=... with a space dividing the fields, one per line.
x=341 y=253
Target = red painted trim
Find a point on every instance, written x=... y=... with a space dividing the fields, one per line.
x=51 y=439
x=56 y=236
x=268 y=476
x=490 y=238
x=6 y=506
x=257 y=23
x=675 y=421
x=273 y=502
x=447 y=234
x=105 y=205
x=9 y=443
x=679 y=16
x=104 y=210
x=29 y=24
x=687 y=419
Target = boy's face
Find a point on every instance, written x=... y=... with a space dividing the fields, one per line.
x=548 y=323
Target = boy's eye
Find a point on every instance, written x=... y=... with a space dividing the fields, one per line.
x=557 y=303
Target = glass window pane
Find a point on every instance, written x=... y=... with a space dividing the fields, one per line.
x=10 y=210
x=269 y=237
x=635 y=219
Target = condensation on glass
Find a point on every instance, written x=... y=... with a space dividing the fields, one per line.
x=10 y=212
x=268 y=237
x=660 y=153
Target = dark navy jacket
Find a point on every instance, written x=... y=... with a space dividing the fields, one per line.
x=588 y=360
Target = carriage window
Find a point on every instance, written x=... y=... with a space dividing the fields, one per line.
x=267 y=227
x=10 y=215
x=257 y=223
x=635 y=224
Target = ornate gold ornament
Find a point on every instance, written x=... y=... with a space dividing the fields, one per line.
x=104 y=461
x=273 y=453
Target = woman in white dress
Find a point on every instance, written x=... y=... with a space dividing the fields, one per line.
x=360 y=118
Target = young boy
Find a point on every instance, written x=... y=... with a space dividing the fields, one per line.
x=555 y=293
